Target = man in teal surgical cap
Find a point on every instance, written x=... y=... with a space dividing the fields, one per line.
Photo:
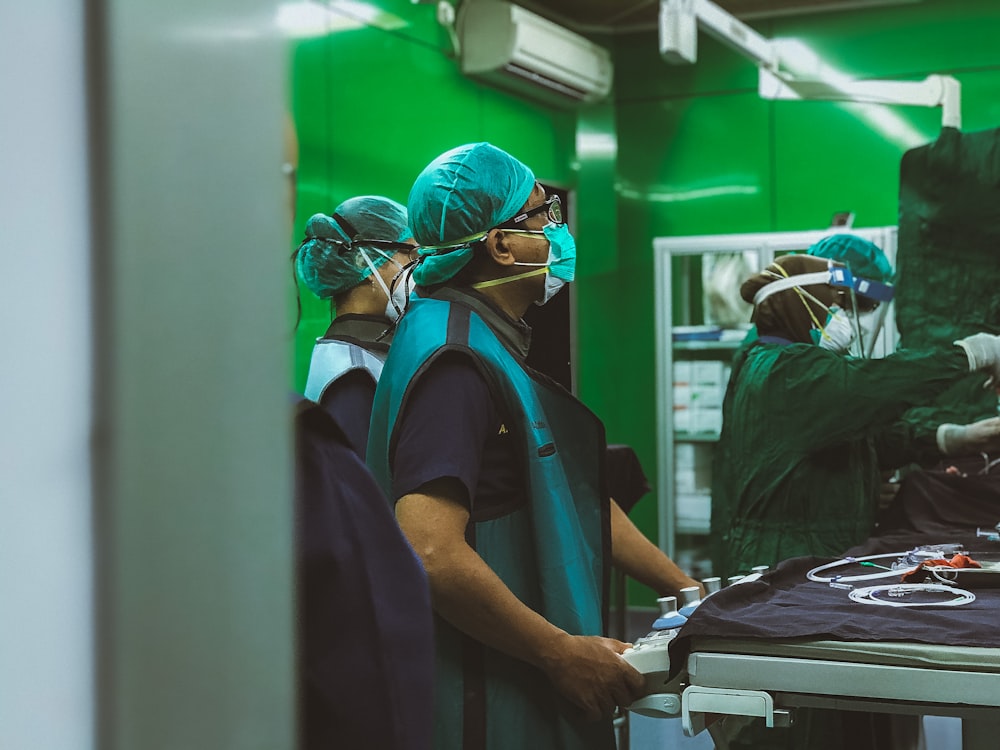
x=496 y=472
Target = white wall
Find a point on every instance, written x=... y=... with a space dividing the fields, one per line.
x=154 y=611
x=46 y=613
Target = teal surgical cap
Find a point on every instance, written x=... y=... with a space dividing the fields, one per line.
x=862 y=257
x=459 y=197
x=331 y=258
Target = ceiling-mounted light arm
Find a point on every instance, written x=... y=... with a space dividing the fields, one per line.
x=679 y=22
x=678 y=32
x=445 y=17
x=933 y=91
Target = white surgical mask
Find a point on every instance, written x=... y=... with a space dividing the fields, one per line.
x=392 y=311
x=402 y=285
x=838 y=333
x=552 y=286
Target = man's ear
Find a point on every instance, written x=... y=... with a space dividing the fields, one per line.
x=498 y=249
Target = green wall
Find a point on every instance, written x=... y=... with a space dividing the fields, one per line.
x=698 y=152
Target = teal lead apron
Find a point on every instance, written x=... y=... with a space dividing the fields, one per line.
x=553 y=552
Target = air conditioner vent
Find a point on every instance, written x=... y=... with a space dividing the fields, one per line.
x=545 y=82
x=515 y=49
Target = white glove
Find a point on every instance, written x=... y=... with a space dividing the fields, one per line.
x=967 y=439
x=983 y=351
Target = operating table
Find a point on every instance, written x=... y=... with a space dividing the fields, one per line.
x=780 y=642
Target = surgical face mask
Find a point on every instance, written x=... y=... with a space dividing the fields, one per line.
x=392 y=311
x=562 y=251
x=560 y=267
x=838 y=332
x=402 y=284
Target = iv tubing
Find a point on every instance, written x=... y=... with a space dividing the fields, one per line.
x=813 y=575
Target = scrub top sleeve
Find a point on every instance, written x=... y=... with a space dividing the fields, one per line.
x=444 y=427
x=349 y=401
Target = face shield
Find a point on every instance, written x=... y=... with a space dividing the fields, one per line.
x=867 y=302
x=855 y=317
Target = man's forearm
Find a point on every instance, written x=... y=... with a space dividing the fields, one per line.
x=470 y=596
x=467 y=593
x=642 y=560
x=464 y=589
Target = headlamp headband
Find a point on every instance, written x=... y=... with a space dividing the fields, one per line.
x=834 y=276
x=875 y=290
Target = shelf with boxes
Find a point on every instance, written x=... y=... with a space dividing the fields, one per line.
x=701 y=322
x=699 y=386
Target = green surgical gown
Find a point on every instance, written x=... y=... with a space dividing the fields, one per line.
x=795 y=471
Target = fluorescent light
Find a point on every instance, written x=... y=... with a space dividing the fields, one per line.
x=665 y=195
x=304 y=19
x=596 y=144
x=367 y=13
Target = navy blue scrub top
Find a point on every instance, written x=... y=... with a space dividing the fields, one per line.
x=349 y=401
x=364 y=623
x=451 y=427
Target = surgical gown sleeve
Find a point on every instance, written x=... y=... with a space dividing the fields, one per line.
x=820 y=398
x=913 y=438
x=349 y=401
x=795 y=470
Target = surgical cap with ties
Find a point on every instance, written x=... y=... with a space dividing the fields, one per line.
x=331 y=258
x=862 y=257
x=457 y=199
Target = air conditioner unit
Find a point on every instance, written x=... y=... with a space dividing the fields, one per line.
x=515 y=49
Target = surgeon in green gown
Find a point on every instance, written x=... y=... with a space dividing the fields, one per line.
x=958 y=422
x=796 y=468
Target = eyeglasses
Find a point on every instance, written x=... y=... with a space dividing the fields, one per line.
x=552 y=207
x=396 y=247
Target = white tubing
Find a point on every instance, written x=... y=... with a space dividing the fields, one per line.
x=866 y=595
x=813 y=575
